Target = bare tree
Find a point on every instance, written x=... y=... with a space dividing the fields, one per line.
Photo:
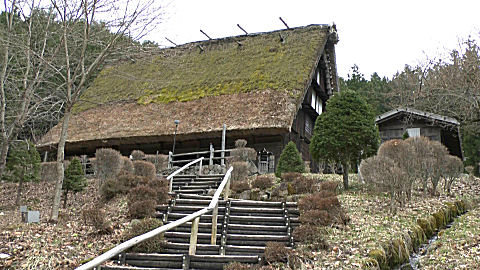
x=25 y=63
x=121 y=20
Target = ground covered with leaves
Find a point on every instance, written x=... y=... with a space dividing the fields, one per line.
x=54 y=246
x=371 y=224
x=457 y=247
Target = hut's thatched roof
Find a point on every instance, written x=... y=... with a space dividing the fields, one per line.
x=254 y=81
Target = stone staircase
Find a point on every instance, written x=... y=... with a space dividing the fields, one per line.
x=243 y=229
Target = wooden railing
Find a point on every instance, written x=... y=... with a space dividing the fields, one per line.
x=174 y=159
x=213 y=206
x=170 y=177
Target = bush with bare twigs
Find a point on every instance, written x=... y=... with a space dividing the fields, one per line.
x=240 y=171
x=152 y=245
x=453 y=170
x=240 y=186
x=94 y=215
x=108 y=163
x=325 y=207
x=310 y=235
x=137 y=155
x=127 y=165
x=262 y=182
x=144 y=168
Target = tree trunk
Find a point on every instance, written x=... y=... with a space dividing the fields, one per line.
x=346 y=167
x=19 y=190
x=60 y=157
x=65 y=199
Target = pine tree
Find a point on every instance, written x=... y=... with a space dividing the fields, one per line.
x=23 y=165
x=345 y=133
x=74 y=179
x=290 y=160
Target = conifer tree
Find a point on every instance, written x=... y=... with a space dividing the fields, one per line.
x=345 y=133
x=23 y=165
x=75 y=180
x=290 y=160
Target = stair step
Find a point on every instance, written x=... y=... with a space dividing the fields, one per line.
x=252 y=237
x=120 y=267
x=200 y=187
x=257 y=227
x=192 y=191
x=185 y=208
x=196 y=202
x=169 y=234
x=256 y=218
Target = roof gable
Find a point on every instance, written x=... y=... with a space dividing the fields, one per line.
x=421 y=114
x=215 y=67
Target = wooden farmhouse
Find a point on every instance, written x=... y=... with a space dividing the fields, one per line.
x=267 y=88
x=393 y=124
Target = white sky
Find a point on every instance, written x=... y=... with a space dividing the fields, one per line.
x=379 y=36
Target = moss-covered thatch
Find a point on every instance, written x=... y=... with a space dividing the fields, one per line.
x=214 y=67
x=258 y=85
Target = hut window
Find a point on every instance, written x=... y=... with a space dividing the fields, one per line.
x=413 y=132
x=317 y=76
x=314 y=99
x=316 y=103
x=308 y=125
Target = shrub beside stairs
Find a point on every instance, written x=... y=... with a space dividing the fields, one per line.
x=243 y=229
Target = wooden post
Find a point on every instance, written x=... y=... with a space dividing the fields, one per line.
x=170 y=159
x=45 y=156
x=211 y=155
x=200 y=167
x=224 y=132
x=193 y=236
x=156 y=161
x=227 y=189
x=213 y=239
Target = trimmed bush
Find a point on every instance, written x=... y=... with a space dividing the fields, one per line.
x=110 y=188
x=240 y=143
x=240 y=186
x=240 y=171
x=127 y=165
x=144 y=168
x=241 y=266
x=322 y=201
x=290 y=160
x=152 y=245
x=262 y=182
x=108 y=163
x=127 y=180
x=141 y=209
x=141 y=201
x=290 y=176
x=310 y=235
x=303 y=184
x=94 y=215
x=137 y=155
x=74 y=181
x=329 y=186
x=276 y=252
x=160 y=161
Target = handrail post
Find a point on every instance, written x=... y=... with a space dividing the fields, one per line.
x=193 y=236
x=224 y=131
x=200 y=167
x=211 y=154
x=170 y=159
x=227 y=189
x=213 y=239
x=170 y=185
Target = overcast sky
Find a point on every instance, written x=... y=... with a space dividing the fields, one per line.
x=378 y=35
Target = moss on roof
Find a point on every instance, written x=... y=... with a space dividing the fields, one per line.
x=214 y=67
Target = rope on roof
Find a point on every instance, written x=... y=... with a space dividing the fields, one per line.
x=171 y=41
x=205 y=34
x=284 y=22
x=242 y=29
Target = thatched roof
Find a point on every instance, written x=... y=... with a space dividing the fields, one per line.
x=254 y=81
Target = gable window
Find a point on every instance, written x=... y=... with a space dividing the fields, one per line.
x=316 y=104
x=317 y=76
x=413 y=132
x=308 y=125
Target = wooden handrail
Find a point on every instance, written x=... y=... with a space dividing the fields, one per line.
x=170 y=177
x=128 y=244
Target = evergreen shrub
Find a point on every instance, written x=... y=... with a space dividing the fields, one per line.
x=74 y=180
x=290 y=160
